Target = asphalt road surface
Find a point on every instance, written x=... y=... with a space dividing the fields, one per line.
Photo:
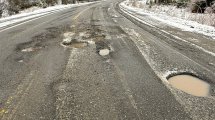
x=43 y=79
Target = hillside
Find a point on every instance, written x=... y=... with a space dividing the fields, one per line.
x=10 y=7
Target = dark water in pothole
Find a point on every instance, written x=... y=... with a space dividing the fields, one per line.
x=190 y=85
x=75 y=44
x=79 y=45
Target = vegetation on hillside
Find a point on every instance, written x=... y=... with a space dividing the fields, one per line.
x=9 y=7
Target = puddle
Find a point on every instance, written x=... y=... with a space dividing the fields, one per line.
x=79 y=45
x=70 y=40
x=74 y=43
x=104 y=52
x=190 y=85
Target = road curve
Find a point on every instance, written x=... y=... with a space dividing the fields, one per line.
x=41 y=78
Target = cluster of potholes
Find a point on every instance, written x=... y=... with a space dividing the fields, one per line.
x=88 y=37
x=187 y=83
x=184 y=82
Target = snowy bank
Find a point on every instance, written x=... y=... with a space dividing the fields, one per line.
x=168 y=18
x=32 y=14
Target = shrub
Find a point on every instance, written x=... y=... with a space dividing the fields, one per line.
x=198 y=7
x=182 y=3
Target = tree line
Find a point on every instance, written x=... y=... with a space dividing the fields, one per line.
x=14 y=6
x=196 y=6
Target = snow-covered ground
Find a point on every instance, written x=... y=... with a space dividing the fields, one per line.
x=32 y=14
x=174 y=17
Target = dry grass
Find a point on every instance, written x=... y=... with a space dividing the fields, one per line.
x=183 y=13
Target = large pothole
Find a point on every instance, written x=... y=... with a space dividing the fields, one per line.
x=71 y=41
x=191 y=85
x=103 y=48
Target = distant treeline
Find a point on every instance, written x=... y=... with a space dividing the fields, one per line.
x=10 y=7
x=196 y=6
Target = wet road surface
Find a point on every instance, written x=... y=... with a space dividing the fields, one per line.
x=54 y=68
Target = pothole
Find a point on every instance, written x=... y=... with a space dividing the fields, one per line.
x=74 y=43
x=103 y=48
x=190 y=84
x=79 y=45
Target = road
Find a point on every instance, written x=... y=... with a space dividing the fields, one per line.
x=43 y=79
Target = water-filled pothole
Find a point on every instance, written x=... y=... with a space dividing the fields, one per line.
x=79 y=45
x=74 y=43
x=190 y=85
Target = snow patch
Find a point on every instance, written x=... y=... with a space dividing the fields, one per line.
x=104 y=52
x=28 y=49
x=91 y=42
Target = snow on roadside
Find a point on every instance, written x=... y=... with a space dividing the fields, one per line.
x=31 y=9
x=33 y=13
x=29 y=12
x=186 y=25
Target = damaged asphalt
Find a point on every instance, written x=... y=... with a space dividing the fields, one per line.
x=52 y=68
